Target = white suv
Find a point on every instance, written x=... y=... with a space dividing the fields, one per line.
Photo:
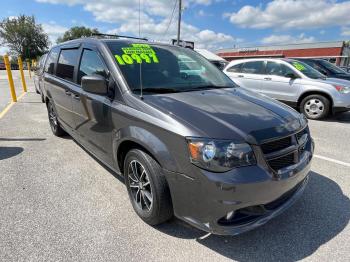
x=293 y=82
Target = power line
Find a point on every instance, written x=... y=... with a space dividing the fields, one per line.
x=171 y=19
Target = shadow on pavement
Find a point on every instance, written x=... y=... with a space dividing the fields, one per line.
x=321 y=214
x=22 y=139
x=8 y=152
x=341 y=118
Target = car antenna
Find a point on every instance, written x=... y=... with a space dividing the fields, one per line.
x=141 y=86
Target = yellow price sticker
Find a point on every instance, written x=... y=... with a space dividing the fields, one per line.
x=138 y=53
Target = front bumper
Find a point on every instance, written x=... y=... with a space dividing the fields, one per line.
x=254 y=194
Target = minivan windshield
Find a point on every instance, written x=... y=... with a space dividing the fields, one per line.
x=166 y=69
x=332 y=68
x=306 y=70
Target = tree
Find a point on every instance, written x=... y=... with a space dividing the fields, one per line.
x=77 y=32
x=24 y=37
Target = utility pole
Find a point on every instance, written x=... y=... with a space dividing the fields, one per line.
x=179 y=23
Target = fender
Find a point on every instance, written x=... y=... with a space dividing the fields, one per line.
x=147 y=140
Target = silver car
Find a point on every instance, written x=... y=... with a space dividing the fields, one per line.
x=294 y=83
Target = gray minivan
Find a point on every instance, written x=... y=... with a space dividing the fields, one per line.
x=189 y=144
x=294 y=83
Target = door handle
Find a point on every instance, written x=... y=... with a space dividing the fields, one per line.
x=267 y=78
x=240 y=75
x=77 y=97
x=68 y=93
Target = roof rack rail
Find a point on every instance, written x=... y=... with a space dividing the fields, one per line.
x=118 y=36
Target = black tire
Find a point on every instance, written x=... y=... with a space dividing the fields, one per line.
x=56 y=129
x=160 y=209
x=42 y=98
x=315 y=107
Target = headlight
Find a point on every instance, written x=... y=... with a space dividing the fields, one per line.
x=219 y=155
x=342 y=89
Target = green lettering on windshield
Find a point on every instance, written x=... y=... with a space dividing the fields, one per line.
x=137 y=53
x=298 y=66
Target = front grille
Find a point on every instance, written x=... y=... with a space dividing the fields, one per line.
x=275 y=151
x=282 y=162
x=276 y=145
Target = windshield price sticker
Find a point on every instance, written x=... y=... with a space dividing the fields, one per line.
x=299 y=66
x=137 y=53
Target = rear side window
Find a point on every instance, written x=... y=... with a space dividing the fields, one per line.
x=66 y=63
x=235 y=68
x=278 y=69
x=254 y=67
x=51 y=60
x=91 y=64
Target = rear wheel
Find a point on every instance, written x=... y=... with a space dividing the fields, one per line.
x=147 y=188
x=54 y=124
x=315 y=106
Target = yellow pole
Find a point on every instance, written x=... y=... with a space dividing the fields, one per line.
x=10 y=79
x=20 y=64
x=30 y=73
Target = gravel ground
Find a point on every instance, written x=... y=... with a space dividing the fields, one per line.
x=57 y=203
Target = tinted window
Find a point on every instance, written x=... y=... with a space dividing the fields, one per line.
x=66 y=63
x=278 y=69
x=91 y=64
x=332 y=68
x=255 y=67
x=51 y=60
x=235 y=68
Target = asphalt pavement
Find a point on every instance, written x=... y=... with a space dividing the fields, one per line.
x=57 y=203
x=5 y=95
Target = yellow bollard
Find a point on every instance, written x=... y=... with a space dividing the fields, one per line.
x=10 y=79
x=20 y=64
x=30 y=73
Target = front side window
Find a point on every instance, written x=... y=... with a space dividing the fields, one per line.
x=278 y=69
x=51 y=60
x=66 y=63
x=332 y=68
x=91 y=64
x=161 y=68
x=254 y=67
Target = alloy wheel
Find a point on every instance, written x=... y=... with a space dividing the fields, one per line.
x=314 y=107
x=52 y=118
x=140 y=186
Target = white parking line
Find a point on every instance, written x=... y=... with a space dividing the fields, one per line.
x=333 y=160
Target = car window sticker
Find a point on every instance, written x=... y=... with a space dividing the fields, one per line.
x=299 y=66
x=137 y=53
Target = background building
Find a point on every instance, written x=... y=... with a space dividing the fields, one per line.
x=336 y=52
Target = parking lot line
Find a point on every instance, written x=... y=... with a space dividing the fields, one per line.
x=8 y=107
x=333 y=160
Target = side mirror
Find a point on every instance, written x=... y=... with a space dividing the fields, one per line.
x=291 y=75
x=96 y=84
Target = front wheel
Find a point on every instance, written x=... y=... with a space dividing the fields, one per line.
x=147 y=187
x=315 y=107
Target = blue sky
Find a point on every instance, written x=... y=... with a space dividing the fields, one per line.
x=212 y=24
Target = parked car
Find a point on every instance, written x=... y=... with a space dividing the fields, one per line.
x=38 y=77
x=294 y=83
x=2 y=66
x=326 y=68
x=345 y=68
x=222 y=158
x=216 y=60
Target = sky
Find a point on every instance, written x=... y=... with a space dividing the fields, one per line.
x=212 y=24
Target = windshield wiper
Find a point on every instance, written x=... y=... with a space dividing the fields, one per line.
x=156 y=90
x=206 y=87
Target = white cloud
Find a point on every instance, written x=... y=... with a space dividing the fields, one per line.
x=155 y=16
x=287 y=39
x=298 y=14
x=54 y=31
x=345 y=31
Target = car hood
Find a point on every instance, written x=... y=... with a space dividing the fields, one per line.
x=231 y=113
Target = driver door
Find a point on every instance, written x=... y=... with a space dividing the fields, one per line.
x=278 y=84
